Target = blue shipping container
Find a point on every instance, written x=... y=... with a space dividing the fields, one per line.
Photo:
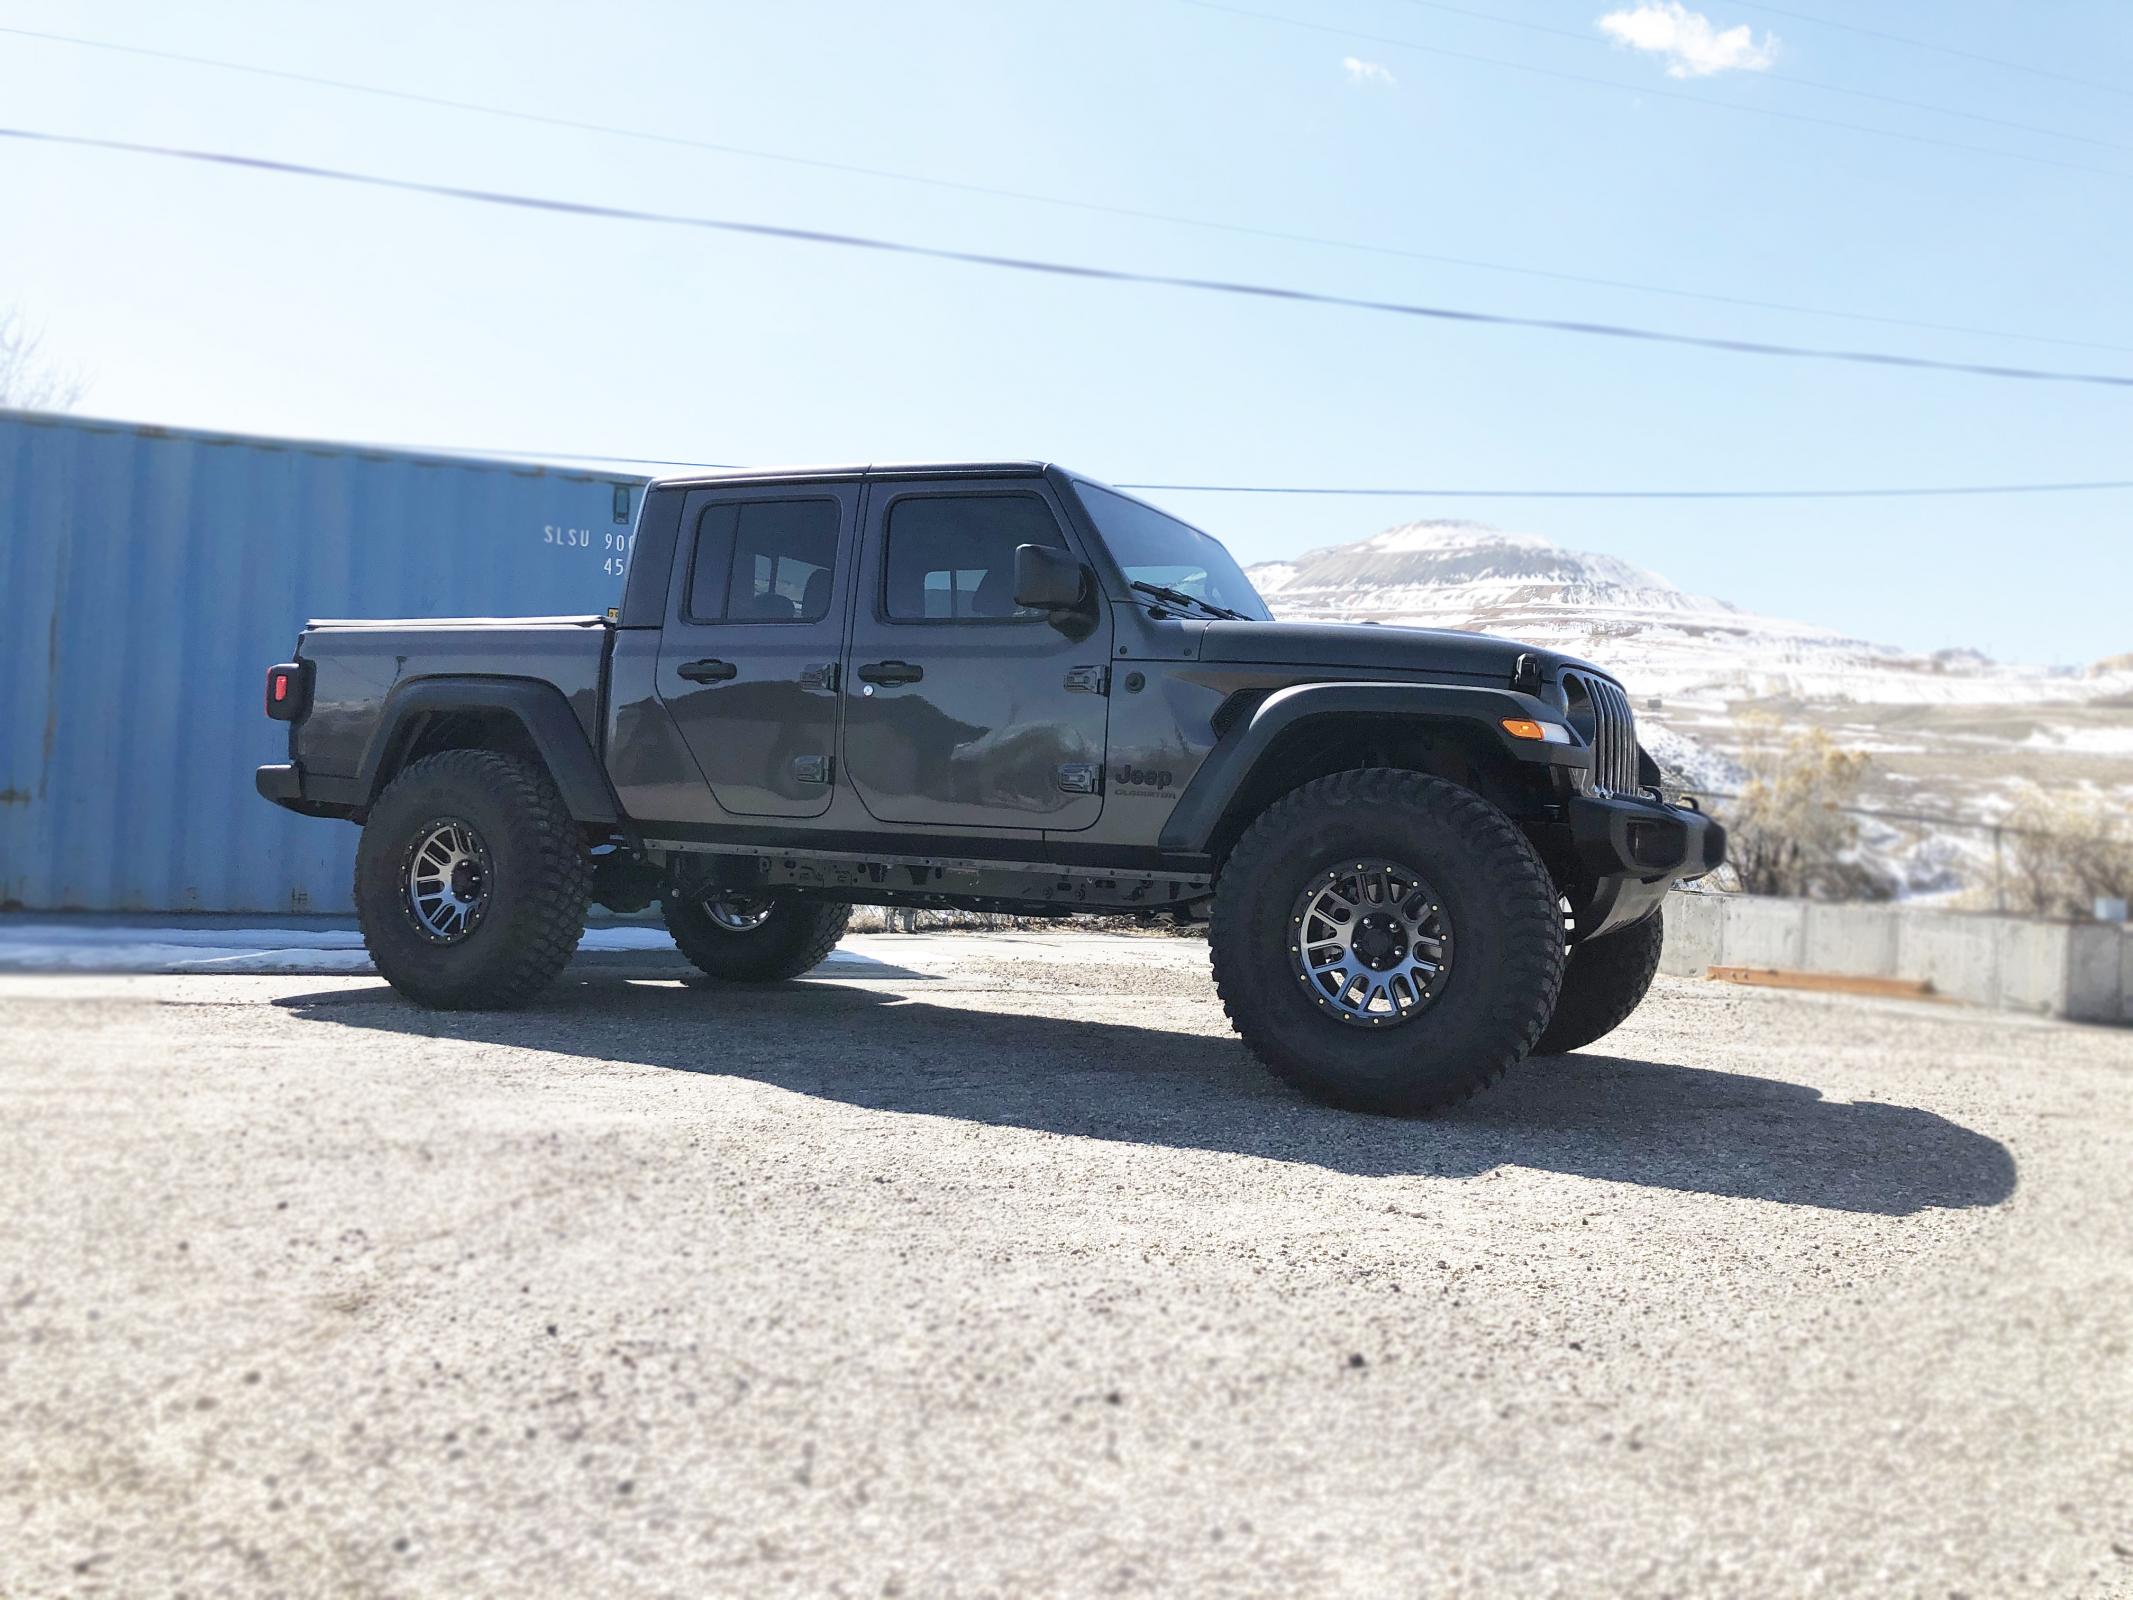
x=150 y=576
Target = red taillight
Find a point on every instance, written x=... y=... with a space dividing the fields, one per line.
x=288 y=690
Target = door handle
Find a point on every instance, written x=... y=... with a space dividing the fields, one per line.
x=709 y=671
x=886 y=672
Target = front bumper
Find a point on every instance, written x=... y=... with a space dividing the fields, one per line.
x=1630 y=852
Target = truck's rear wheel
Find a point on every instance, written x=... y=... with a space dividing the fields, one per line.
x=471 y=882
x=752 y=938
x=1386 y=941
x=1604 y=980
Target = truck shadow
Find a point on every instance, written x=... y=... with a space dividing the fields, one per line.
x=1664 y=1125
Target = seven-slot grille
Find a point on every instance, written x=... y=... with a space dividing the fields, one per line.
x=1614 y=737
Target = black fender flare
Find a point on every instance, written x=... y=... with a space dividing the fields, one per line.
x=538 y=707
x=1206 y=798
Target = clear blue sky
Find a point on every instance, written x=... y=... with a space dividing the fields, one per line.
x=221 y=299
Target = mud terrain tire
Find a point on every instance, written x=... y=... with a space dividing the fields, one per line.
x=1505 y=959
x=529 y=882
x=1603 y=982
x=792 y=937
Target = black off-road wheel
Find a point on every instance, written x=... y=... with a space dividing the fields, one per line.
x=1386 y=941
x=471 y=882
x=752 y=938
x=1604 y=980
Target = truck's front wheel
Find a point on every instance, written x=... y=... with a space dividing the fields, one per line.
x=1386 y=941
x=471 y=882
x=753 y=939
x=1606 y=979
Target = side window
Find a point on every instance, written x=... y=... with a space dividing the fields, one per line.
x=764 y=561
x=951 y=558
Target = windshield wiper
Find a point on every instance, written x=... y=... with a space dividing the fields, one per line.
x=1178 y=597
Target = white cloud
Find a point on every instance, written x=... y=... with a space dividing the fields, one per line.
x=1367 y=72
x=1692 y=47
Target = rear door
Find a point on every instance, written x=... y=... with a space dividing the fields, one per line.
x=960 y=709
x=748 y=660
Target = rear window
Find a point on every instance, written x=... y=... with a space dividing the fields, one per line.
x=764 y=561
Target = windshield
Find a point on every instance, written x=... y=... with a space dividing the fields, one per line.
x=1157 y=549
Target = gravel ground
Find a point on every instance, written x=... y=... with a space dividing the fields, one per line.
x=993 y=1266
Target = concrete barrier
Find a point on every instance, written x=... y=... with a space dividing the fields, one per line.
x=1858 y=941
x=1959 y=956
x=1764 y=936
x=2034 y=970
x=1694 y=934
x=2097 y=958
x=2080 y=971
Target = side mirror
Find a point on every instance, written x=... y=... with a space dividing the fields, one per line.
x=1048 y=578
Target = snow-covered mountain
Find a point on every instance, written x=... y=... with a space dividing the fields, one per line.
x=1660 y=639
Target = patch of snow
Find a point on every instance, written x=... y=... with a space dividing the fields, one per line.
x=42 y=945
x=2088 y=741
x=1700 y=767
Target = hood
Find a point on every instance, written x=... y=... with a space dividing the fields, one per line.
x=1374 y=648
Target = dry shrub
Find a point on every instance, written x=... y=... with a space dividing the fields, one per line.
x=1788 y=831
x=2065 y=849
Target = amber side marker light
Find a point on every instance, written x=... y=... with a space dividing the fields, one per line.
x=1543 y=732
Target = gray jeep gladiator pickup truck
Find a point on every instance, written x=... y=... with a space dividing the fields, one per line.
x=1001 y=687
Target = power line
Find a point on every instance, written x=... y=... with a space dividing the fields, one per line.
x=1933 y=820
x=1788 y=77
x=321 y=81
x=1101 y=208
x=1657 y=93
x=556 y=455
x=1061 y=269
x=496 y=453
x=1907 y=493
x=1942 y=49
x=499 y=452
x=1643 y=494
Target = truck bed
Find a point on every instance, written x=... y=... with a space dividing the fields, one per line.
x=358 y=665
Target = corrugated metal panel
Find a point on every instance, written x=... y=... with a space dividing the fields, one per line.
x=149 y=576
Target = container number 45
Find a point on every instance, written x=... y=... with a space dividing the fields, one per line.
x=615 y=547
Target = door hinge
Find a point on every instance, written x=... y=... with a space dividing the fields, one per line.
x=822 y=677
x=1088 y=680
x=1076 y=777
x=812 y=769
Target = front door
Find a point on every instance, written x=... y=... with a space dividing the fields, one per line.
x=748 y=663
x=960 y=709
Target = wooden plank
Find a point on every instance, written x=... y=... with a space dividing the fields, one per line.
x=1826 y=982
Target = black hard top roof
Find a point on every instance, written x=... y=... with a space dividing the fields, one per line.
x=879 y=469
